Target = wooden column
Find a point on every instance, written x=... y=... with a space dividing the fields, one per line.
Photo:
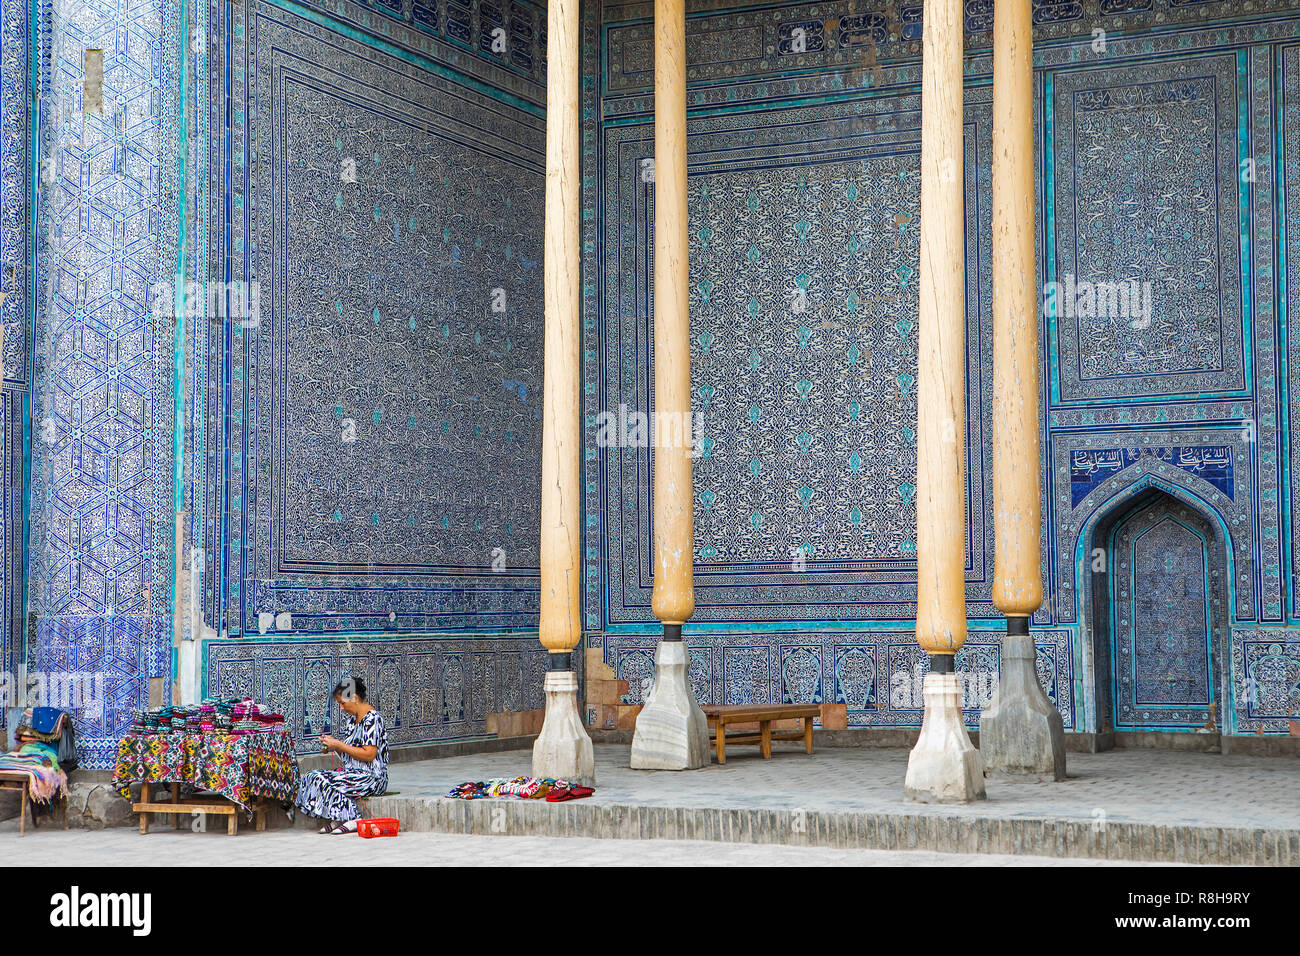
x=1017 y=575
x=671 y=730
x=941 y=391
x=563 y=748
x=561 y=533
x=1021 y=732
x=943 y=767
x=673 y=599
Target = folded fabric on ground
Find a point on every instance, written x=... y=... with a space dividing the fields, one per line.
x=44 y=778
x=521 y=788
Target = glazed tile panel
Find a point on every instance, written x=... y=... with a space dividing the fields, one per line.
x=429 y=689
x=876 y=674
x=1168 y=621
x=15 y=181
x=101 y=463
x=1164 y=152
x=383 y=421
x=803 y=280
x=1151 y=195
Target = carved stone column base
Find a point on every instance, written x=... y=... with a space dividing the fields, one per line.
x=563 y=748
x=944 y=766
x=1022 y=736
x=671 y=730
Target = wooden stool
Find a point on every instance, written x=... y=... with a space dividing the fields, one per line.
x=14 y=780
x=178 y=808
x=762 y=714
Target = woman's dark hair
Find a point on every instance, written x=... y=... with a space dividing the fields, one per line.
x=350 y=687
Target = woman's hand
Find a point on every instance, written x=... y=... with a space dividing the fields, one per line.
x=330 y=743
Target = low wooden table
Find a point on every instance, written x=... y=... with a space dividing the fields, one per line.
x=762 y=714
x=178 y=808
x=15 y=780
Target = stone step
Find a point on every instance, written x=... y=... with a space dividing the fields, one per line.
x=1057 y=837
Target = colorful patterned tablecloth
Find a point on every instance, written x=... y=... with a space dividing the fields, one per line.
x=240 y=768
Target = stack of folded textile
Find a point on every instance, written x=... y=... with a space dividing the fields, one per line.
x=43 y=723
x=268 y=722
x=215 y=715
x=242 y=720
x=40 y=762
x=54 y=730
x=221 y=709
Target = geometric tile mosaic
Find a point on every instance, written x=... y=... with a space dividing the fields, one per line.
x=383 y=201
x=801 y=233
x=375 y=438
x=101 y=409
x=876 y=674
x=429 y=689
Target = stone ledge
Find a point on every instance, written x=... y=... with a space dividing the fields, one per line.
x=1059 y=837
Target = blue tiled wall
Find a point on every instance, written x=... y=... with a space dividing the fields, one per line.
x=365 y=458
x=1166 y=133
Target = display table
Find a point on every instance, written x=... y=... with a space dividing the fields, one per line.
x=248 y=772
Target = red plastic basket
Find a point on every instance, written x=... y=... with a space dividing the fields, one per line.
x=377 y=827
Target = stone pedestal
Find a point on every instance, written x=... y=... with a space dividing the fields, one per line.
x=944 y=766
x=671 y=730
x=1022 y=735
x=563 y=749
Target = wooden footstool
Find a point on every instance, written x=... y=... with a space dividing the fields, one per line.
x=177 y=808
x=720 y=716
x=16 y=781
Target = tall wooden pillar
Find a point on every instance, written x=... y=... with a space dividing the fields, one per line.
x=944 y=766
x=671 y=731
x=563 y=749
x=1021 y=733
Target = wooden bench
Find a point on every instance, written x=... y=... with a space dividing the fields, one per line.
x=178 y=808
x=763 y=714
x=18 y=781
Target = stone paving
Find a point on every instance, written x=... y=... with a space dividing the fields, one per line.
x=1123 y=805
x=1148 y=786
x=123 y=847
x=840 y=806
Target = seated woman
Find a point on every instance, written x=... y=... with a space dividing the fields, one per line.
x=363 y=755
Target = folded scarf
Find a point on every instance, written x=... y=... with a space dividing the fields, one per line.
x=44 y=781
x=37 y=748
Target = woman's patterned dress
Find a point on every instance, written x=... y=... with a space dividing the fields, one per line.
x=332 y=793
